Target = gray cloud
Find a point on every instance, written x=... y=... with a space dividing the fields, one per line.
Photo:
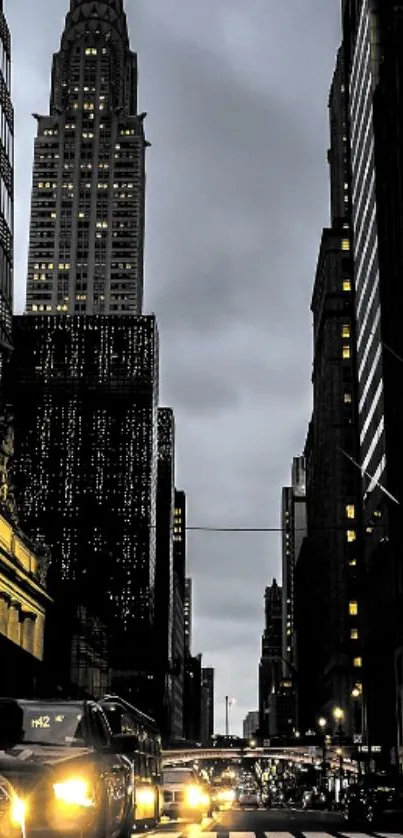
x=236 y=94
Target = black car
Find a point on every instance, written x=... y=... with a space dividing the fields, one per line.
x=70 y=775
x=376 y=798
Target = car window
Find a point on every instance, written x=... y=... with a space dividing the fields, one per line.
x=100 y=733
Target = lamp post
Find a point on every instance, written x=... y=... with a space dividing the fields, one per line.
x=228 y=703
x=322 y=722
x=338 y=715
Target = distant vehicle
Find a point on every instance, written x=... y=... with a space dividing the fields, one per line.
x=184 y=796
x=222 y=796
x=377 y=798
x=72 y=774
x=248 y=797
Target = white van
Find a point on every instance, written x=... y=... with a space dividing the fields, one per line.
x=183 y=795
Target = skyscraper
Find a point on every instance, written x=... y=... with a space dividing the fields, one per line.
x=178 y=638
x=207 y=704
x=270 y=667
x=373 y=48
x=85 y=394
x=86 y=449
x=293 y=521
x=88 y=191
x=180 y=538
x=6 y=191
x=250 y=724
x=164 y=577
x=188 y=616
x=328 y=568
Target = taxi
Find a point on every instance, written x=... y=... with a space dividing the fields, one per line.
x=69 y=775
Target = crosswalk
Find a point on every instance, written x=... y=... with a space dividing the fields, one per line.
x=197 y=832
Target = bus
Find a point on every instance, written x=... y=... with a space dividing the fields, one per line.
x=147 y=773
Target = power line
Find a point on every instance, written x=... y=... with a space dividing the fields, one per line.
x=274 y=529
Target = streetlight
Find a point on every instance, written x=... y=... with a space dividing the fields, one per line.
x=228 y=703
x=338 y=714
x=322 y=722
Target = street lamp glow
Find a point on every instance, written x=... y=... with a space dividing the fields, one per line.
x=322 y=722
x=338 y=714
x=356 y=693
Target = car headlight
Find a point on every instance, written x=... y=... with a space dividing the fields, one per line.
x=193 y=796
x=145 y=796
x=18 y=812
x=74 y=792
x=227 y=796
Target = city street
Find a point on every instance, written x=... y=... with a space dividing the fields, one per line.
x=284 y=823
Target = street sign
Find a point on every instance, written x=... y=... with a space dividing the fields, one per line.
x=373 y=749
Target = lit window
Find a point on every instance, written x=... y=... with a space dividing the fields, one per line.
x=353 y=563
x=357 y=662
x=353 y=608
x=345 y=331
x=350 y=510
x=347 y=398
x=354 y=634
x=345 y=244
x=346 y=352
x=351 y=535
x=346 y=285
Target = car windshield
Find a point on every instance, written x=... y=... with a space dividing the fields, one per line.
x=171 y=777
x=53 y=723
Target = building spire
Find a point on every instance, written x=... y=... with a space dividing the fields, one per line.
x=100 y=26
x=106 y=11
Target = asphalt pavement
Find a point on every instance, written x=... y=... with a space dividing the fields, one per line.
x=274 y=823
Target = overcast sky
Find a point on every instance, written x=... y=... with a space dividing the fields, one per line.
x=236 y=94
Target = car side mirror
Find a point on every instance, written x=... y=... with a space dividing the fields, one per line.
x=124 y=743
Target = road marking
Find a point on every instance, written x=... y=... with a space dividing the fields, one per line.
x=243 y=834
x=163 y=834
x=279 y=835
x=359 y=835
x=317 y=835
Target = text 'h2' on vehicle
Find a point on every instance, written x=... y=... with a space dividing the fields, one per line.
x=80 y=769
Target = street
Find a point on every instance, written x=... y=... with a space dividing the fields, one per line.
x=284 y=823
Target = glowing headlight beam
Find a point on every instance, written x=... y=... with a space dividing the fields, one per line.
x=18 y=812
x=193 y=796
x=73 y=793
x=145 y=796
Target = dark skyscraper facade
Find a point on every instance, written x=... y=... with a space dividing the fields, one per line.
x=270 y=668
x=180 y=538
x=87 y=216
x=373 y=44
x=188 y=616
x=178 y=637
x=293 y=519
x=328 y=569
x=6 y=190
x=85 y=394
x=164 y=580
x=207 y=704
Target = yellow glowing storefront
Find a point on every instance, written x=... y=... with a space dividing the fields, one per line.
x=23 y=604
